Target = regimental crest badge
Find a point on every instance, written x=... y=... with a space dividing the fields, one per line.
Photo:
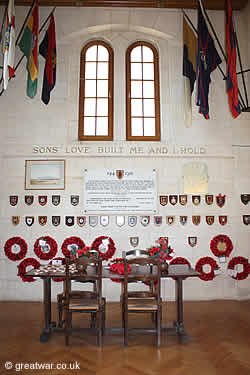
x=246 y=219
x=81 y=220
x=163 y=200
x=29 y=199
x=56 y=220
x=145 y=220
x=183 y=220
x=74 y=200
x=220 y=200
x=132 y=220
x=69 y=221
x=42 y=220
x=170 y=220
x=192 y=241
x=196 y=220
x=93 y=221
x=245 y=198
x=104 y=220
x=134 y=241
x=13 y=200
x=210 y=220
x=196 y=199
x=120 y=220
x=157 y=220
x=42 y=199
x=119 y=173
x=209 y=198
x=223 y=220
x=56 y=200
x=173 y=199
x=183 y=199
x=29 y=220
x=15 y=220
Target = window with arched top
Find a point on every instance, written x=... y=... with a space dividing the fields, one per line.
x=143 y=101
x=96 y=92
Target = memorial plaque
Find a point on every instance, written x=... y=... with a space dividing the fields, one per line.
x=120 y=190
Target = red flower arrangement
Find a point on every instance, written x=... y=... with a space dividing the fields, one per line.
x=68 y=242
x=48 y=251
x=83 y=252
x=117 y=266
x=221 y=246
x=246 y=267
x=104 y=242
x=163 y=252
x=22 y=269
x=199 y=267
x=19 y=244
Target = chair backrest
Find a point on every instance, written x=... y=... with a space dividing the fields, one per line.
x=79 y=272
x=148 y=271
x=136 y=253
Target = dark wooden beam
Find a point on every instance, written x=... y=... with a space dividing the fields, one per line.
x=186 y=4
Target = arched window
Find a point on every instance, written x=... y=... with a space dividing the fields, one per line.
x=96 y=92
x=143 y=102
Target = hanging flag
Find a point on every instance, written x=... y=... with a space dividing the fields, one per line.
x=48 y=50
x=9 y=45
x=207 y=61
x=232 y=84
x=29 y=46
x=189 y=62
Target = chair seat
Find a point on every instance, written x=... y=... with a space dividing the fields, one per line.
x=143 y=304
x=84 y=304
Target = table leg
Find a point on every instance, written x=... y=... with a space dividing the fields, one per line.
x=48 y=325
x=179 y=324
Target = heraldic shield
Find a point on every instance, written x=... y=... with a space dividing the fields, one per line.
x=29 y=199
x=192 y=241
x=209 y=198
x=29 y=220
x=210 y=220
x=183 y=199
x=196 y=220
x=13 y=200
x=42 y=199
x=163 y=200
x=81 y=220
x=220 y=200
x=69 y=221
x=56 y=200
x=56 y=220
x=134 y=241
x=245 y=198
x=196 y=199
x=15 y=220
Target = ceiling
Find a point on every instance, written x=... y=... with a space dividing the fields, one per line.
x=187 y=4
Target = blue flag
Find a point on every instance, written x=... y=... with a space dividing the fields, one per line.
x=207 y=61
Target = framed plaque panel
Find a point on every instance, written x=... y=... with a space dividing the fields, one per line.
x=44 y=174
x=120 y=190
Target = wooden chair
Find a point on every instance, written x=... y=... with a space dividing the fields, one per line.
x=89 y=302
x=152 y=273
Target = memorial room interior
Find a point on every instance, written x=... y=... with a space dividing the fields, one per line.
x=109 y=152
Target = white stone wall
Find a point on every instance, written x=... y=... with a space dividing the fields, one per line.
x=26 y=123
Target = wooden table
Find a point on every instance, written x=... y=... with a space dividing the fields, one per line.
x=178 y=272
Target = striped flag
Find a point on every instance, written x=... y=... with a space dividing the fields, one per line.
x=189 y=62
x=29 y=46
x=9 y=45
x=232 y=84
x=207 y=61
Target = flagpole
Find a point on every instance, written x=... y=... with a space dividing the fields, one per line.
x=21 y=59
x=220 y=69
x=242 y=72
x=219 y=44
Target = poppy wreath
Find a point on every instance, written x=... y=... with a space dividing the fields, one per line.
x=15 y=241
x=22 y=269
x=221 y=246
x=71 y=241
x=180 y=260
x=117 y=266
x=199 y=267
x=111 y=247
x=58 y=279
x=52 y=248
x=239 y=260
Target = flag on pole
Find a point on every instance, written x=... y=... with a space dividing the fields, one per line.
x=9 y=45
x=29 y=46
x=207 y=61
x=48 y=50
x=189 y=76
x=232 y=84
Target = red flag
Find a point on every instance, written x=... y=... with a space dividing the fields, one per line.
x=232 y=84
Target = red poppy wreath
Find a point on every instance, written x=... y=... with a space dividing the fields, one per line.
x=239 y=260
x=45 y=248
x=117 y=267
x=199 y=267
x=67 y=245
x=103 y=243
x=180 y=260
x=221 y=246
x=22 y=269
x=15 y=248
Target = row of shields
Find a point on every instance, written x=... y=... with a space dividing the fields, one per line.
x=43 y=200
x=121 y=220
x=192 y=241
x=196 y=199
